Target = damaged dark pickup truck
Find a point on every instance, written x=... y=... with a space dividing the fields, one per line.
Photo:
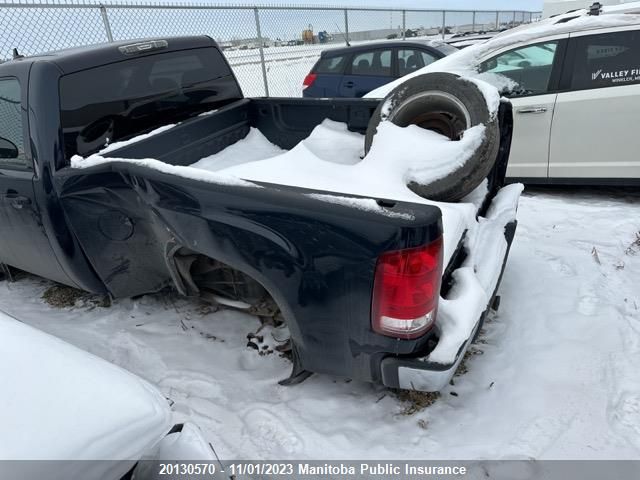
x=359 y=290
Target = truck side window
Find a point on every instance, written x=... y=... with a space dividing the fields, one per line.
x=529 y=67
x=606 y=60
x=11 y=137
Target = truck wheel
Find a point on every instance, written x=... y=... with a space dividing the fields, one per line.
x=449 y=105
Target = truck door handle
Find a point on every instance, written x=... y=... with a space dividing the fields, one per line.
x=534 y=110
x=19 y=202
x=349 y=84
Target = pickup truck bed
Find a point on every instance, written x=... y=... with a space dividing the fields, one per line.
x=144 y=221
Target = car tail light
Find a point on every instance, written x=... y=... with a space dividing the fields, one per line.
x=309 y=80
x=406 y=291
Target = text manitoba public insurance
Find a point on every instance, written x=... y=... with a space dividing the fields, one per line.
x=381 y=469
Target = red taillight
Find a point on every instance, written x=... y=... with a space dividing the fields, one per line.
x=406 y=291
x=309 y=80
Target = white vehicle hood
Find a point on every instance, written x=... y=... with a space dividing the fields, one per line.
x=61 y=403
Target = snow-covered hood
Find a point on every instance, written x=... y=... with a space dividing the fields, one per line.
x=61 y=403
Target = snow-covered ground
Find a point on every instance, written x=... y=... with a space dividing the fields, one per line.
x=555 y=375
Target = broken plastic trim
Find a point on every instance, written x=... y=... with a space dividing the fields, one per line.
x=298 y=373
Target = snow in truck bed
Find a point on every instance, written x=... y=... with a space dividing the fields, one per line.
x=330 y=159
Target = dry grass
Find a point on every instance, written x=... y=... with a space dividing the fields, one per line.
x=61 y=296
x=415 y=401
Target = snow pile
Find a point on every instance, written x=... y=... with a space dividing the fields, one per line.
x=333 y=142
x=476 y=280
x=116 y=415
x=398 y=156
x=185 y=172
x=479 y=195
x=252 y=148
x=488 y=86
x=365 y=204
x=110 y=147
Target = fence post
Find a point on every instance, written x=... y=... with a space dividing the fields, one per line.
x=404 y=24
x=444 y=23
x=105 y=21
x=262 y=62
x=513 y=24
x=346 y=26
x=473 y=25
x=497 y=21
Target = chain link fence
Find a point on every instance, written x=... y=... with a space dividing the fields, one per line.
x=271 y=49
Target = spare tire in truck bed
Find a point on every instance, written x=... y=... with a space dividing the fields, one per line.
x=447 y=104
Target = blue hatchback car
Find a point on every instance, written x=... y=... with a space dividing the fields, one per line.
x=357 y=70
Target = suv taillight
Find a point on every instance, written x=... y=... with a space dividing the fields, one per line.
x=406 y=291
x=309 y=80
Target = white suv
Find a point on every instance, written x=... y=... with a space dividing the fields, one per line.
x=575 y=89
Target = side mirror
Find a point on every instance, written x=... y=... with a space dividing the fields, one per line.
x=8 y=149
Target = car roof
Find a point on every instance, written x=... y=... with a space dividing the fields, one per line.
x=79 y=58
x=581 y=20
x=564 y=24
x=430 y=43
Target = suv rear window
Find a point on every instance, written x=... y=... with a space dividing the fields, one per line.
x=121 y=100
x=606 y=60
x=331 y=64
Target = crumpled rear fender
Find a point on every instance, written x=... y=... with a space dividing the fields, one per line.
x=315 y=258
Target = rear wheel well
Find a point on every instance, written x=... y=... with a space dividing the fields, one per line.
x=198 y=275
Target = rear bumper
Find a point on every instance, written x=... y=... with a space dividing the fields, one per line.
x=420 y=373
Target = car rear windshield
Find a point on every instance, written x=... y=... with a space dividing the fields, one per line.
x=121 y=100
x=331 y=64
